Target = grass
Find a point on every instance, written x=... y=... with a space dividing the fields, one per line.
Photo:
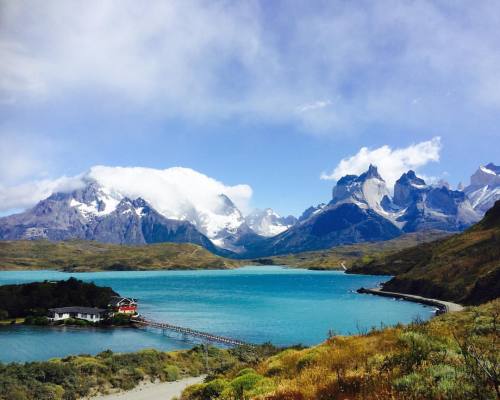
x=82 y=256
x=349 y=254
x=454 y=356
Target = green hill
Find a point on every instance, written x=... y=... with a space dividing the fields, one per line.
x=464 y=268
x=92 y=256
x=348 y=254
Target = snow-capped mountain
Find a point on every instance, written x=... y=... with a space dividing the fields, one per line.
x=362 y=209
x=484 y=188
x=78 y=213
x=423 y=206
x=97 y=213
x=368 y=191
x=268 y=223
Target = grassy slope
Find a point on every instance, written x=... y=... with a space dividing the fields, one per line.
x=93 y=256
x=75 y=377
x=454 y=356
x=464 y=268
x=348 y=254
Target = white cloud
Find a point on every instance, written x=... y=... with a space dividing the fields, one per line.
x=314 y=106
x=28 y=194
x=197 y=59
x=172 y=191
x=391 y=163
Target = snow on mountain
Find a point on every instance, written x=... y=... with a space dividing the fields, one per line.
x=484 y=188
x=268 y=223
x=368 y=191
x=176 y=193
x=431 y=206
x=414 y=206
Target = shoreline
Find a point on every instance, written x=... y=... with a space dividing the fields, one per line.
x=442 y=306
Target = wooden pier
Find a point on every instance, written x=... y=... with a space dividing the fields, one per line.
x=141 y=321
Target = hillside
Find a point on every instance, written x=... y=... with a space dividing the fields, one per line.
x=454 y=356
x=334 y=257
x=464 y=268
x=92 y=256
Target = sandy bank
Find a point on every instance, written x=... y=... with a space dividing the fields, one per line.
x=154 y=391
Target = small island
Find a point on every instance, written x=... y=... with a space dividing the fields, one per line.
x=69 y=302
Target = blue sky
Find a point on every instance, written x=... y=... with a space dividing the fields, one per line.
x=269 y=94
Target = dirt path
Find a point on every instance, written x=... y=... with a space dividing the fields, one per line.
x=154 y=391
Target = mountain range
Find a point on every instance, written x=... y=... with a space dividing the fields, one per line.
x=362 y=208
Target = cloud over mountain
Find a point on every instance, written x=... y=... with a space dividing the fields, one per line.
x=391 y=163
x=171 y=191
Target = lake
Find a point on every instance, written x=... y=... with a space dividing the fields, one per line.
x=255 y=304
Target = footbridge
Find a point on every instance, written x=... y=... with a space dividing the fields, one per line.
x=146 y=322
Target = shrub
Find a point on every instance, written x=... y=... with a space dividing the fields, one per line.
x=172 y=372
x=214 y=389
x=245 y=382
x=33 y=320
x=306 y=360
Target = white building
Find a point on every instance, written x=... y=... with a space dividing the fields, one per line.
x=86 y=313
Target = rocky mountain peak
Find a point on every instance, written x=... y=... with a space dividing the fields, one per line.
x=371 y=173
x=484 y=188
x=408 y=189
x=366 y=190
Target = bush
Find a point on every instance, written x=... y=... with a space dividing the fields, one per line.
x=32 y=320
x=245 y=382
x=214 y=389
x=172 y=372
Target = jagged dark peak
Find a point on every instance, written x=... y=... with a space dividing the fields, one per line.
x=140 y=202
x=346 y=180
x=493 y=167
x=372 y=172
x=126 y=203
x=410 y=177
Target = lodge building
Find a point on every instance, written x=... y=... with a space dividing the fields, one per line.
x=86 y=313
x=123 y=305
x=117 y=305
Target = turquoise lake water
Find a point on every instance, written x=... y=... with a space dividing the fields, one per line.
x=254 y=304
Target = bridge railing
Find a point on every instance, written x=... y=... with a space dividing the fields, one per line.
x=140 y=320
